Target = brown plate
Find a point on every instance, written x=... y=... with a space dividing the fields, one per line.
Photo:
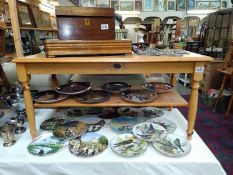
x=115 y=87
x=49 y=96
x=94 y=96
x=139 y=96
x=74 y=88
x=158 y=87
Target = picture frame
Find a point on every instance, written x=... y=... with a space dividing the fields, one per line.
x=103 y=3
x=181 y=5
x=148 y=5
x=88 y=3
x=115 y=4
x=37 y=16
x=214 y=5
x=191 y=4
x=126 y=5
x=46 y=19
x=193 y=22
x=24 y=15
x=171 y=5
x=138 y=5
x=202 y=5
x=224 y=4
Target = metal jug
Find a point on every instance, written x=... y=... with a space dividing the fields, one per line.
x=8 y=134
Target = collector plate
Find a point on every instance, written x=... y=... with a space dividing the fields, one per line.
x=151 y=112
x=128 y=145
x=139 y=96
x=70 y=129
x=49 y=96
x=94 y=96
x=173 y=146
x=50 y=123
x=94 y=123
x=88 y=145
x=149 y=131
x=158 y=87
x=123 y=124
x=115 y=87
x=129 y=112
x=74 y=88
x=169 y=125
x=45 y=145
x=77 y=112
x=108 y=113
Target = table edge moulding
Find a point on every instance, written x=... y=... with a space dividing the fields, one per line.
x=126 y=64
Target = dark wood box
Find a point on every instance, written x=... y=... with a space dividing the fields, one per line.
x=85 y=23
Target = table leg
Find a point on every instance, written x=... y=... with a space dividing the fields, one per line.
x=173 y=79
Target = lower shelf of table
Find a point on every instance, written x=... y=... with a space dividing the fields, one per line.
x=164 y=100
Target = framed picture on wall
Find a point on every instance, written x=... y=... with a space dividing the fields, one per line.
x=148 y=5
x=190 y=4
x=88 y=3
x=202 y=5
x=126 y=5
x=115 y=4
x=224 y=4
x=103 y=3
x=181 y=5
x=138 y=5
x=46 y=19
x=171 y=5
x=25 y=17
x=214 y=5
x=37 y=16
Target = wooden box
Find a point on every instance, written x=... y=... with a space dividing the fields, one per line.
x=55 y=47
x=85 y=23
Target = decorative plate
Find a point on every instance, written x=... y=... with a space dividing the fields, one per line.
x=88 y=145
x=151 y=112
x=49 y=96
x=70 y=129
x=94 y=96
x=128 y=145
x=109 y=112
x=74 y=88
x=94 y=123
x=139 y=96
x=129 y=112
x=158 y=87
x=49 y=124
x=149 y=131
x=115 y=87
x=169 y=125
x=173 y=146
x=123 y=124
x=45 y=145
x=76 y=112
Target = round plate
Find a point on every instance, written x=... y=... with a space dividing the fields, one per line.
x=70 y=129
x=149 y=131
x=173 y=146
x=115 y=87
x=158 y=87
x=74 y=88
x=45 y=145
x=49 y=124
x=93 y=96
x=88 y=145
x=139 y=96
x=49 y=96
x=129 y=112
x=123 y=124
x=76 y=112
x=108 y=113
x=151 y=112
x=94 y=123
x=128 y=145
x=169 y=125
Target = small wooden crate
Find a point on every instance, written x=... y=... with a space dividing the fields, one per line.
x=56 y=47
x=85 y=23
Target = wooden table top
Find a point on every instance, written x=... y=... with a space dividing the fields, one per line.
x=41 y=58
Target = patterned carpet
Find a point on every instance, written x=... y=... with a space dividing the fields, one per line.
x=216 y=132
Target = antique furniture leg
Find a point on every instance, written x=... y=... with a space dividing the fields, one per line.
x=173 y=83
x=193 y=102
x=229 y=107
x=24 y=79
x=54 y=81
x=220 y=92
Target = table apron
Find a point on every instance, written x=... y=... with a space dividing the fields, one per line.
x=109 y=68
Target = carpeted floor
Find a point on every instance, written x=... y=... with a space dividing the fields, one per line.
x=216 y=132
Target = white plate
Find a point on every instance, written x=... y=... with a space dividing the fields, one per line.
x=169 y=125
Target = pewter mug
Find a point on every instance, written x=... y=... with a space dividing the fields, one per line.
x=8 y=134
